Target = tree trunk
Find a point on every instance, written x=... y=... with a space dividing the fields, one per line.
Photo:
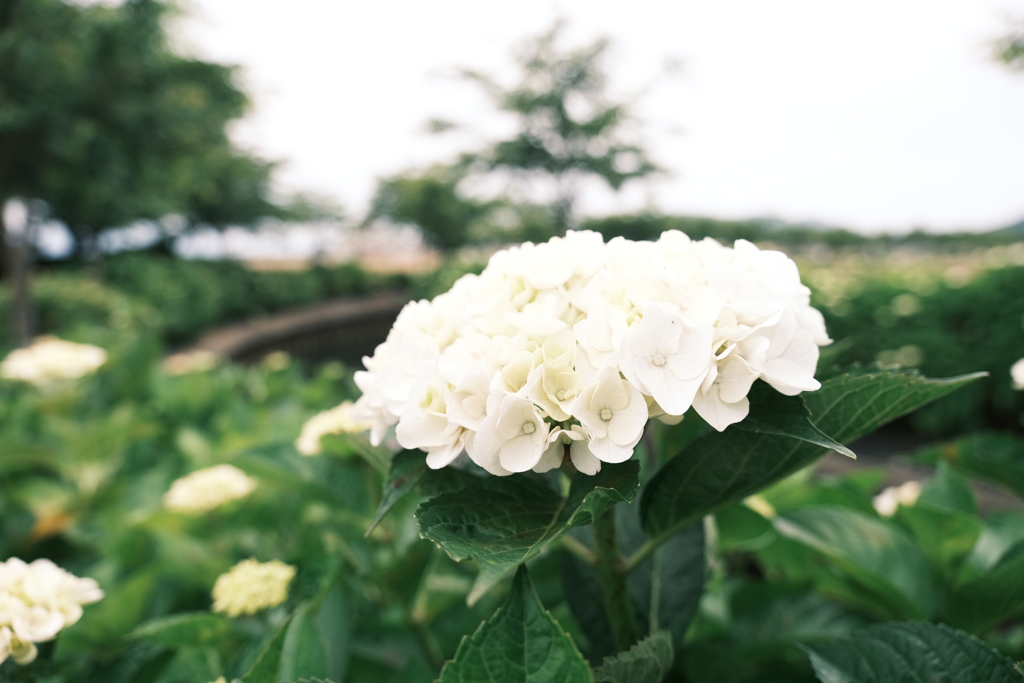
x=16 y=265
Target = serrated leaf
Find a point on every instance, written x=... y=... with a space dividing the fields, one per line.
x=646 y=662
x=722 y=468
x=980 y=604
x=407 y=468
x=878 y=555
x=521 y=643
x=502 y=522
x=185 y=628
x=775 y=413
x=911 y=652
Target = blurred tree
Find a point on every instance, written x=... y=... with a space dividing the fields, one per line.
x=105 y=124
x=430 y=201
x=568 y=130
x=1010 y=48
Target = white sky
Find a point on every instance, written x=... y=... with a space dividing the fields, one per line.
x=874 y=115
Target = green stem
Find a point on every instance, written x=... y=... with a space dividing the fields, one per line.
x=578 y=549
x=612 y=570
x=642 y=553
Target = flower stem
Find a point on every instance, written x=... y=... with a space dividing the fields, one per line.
x=612 y=570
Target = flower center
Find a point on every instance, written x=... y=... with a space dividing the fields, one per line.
x=606 y=414
x=529 y=428
x=658 y=359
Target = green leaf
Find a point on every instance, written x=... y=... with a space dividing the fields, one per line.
x=948 y=491
x=667 y=585
x=407 y=468
x=775 y=413
x=800 y=617
x=998 y=457
x=876 y=554
x=502 y=522
x=985 y=601
x=911 y=652
x=646 y=662
x=1000 y=532
x=722 y=468
x=521 y=643
x=945 y=536
x=343 y=445
x=581 y=588
x=268 y=664
x=304 y=650
x=185 y=628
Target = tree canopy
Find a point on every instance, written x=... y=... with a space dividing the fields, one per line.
x=568 y=130
x=106 y=124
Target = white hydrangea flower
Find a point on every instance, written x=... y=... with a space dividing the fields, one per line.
x=206 y=489
x=337 y=420
x=50 y=360
x=891 y=498
x=1017 y=374
x=563 y=351
x=251 y=586
x=37 y=601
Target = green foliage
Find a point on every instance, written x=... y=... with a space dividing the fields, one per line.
x=431 y=202
x=646 y=662
x=911 y=651
x=721 y=468
x=520 y=643
x=501 y=522
x=107 y=125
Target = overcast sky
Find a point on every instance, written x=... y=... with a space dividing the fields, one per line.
x=874 y=115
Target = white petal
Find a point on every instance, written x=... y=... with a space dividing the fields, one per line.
x=520 y=454
x=717 y=412
x=607 y=450
x=582 y=459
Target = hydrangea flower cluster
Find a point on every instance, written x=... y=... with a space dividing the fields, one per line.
x=206 y=489
x=567 y=348
x=251 y=586
x=37 y=600
x=337 y=420
x=50 y=359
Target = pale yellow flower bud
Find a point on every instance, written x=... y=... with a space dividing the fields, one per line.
x=251 y=586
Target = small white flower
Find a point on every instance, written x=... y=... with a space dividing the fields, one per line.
x=37 y=601
x=512 y=439
x=891 y=498
x=613 y=414
x=49 y=360
x=722 y=399
x=579 y=451
x=206 y=489
x=1017 y=374
x=337 y=420
x=667 y=358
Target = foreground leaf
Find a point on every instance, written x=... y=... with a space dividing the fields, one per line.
x=775 y=413
x=502 y=522
x=646 y=662
x=521 y=643
x=407 y=468
x=268 y=664
x=187 y=628
x=304 y=650
x=911 y=652
x=989 y=599
x=876 y=554
x=722 y=468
